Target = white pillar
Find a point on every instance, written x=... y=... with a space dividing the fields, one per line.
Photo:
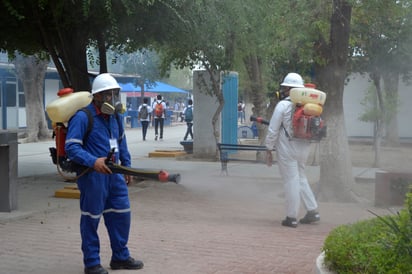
x=205 y=106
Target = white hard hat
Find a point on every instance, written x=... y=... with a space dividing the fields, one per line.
x=293 y=80
x=104 y=82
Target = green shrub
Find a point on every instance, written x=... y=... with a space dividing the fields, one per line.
x=378 y=245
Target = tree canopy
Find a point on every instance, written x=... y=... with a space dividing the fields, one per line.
x=67 y=29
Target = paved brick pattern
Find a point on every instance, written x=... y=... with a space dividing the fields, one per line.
x=215 y=224
x=196 y=234
x=209 y=223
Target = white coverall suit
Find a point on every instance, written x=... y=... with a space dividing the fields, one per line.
x=291 y=156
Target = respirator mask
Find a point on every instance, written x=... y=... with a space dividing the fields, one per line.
x=111 y=103
x=280 y=95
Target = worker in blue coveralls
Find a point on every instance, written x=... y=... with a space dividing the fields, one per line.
x=102 y=193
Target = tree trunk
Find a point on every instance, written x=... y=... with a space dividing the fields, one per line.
x=253 y=67
x=254 y=73
x=216 y=81
x=141 y=91
x=391 y=84
x=101 y=45
x=378 y=131
x=68 y=52
x=336 y=179
x=76 y=62
x=377 y=143
x=31 y=72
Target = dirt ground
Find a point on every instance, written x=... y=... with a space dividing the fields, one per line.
x=395 y=159
x=392 y=158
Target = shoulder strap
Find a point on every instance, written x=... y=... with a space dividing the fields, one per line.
x=89 y=124
x=121 y=128
x=286 y=132
x=281 y=125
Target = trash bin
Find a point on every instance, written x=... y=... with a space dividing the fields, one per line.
x=134 y=122
x=168 y=118
x=8 y=171
x=245 y=132
x=187 y=146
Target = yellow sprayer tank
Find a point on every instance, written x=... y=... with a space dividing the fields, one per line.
x=312 y=109
x=64 y=107
x=306 y=95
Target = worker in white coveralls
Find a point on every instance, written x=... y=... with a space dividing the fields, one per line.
x=291 y=156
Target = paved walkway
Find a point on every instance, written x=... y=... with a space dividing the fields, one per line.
x=209 y=223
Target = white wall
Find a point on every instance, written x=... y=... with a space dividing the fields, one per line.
x=355 y=92
x=22 y=117
x=405 y=111
x=12 y=117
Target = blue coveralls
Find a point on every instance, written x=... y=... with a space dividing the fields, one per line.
x=100 y=194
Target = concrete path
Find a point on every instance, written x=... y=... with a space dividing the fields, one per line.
x=209 y=223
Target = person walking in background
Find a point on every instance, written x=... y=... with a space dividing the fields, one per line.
x=144 y=115
x=181 y=108
x=292 y=156
x=188 y=114
x=102 y=193
x=241 y=112
x=176 y=111
x=159 y=114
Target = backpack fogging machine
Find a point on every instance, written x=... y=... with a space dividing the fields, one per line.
x=307 y=123
x=60 y=111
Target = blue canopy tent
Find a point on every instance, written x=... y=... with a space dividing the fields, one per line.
x=128 y=87
x=156 y=87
